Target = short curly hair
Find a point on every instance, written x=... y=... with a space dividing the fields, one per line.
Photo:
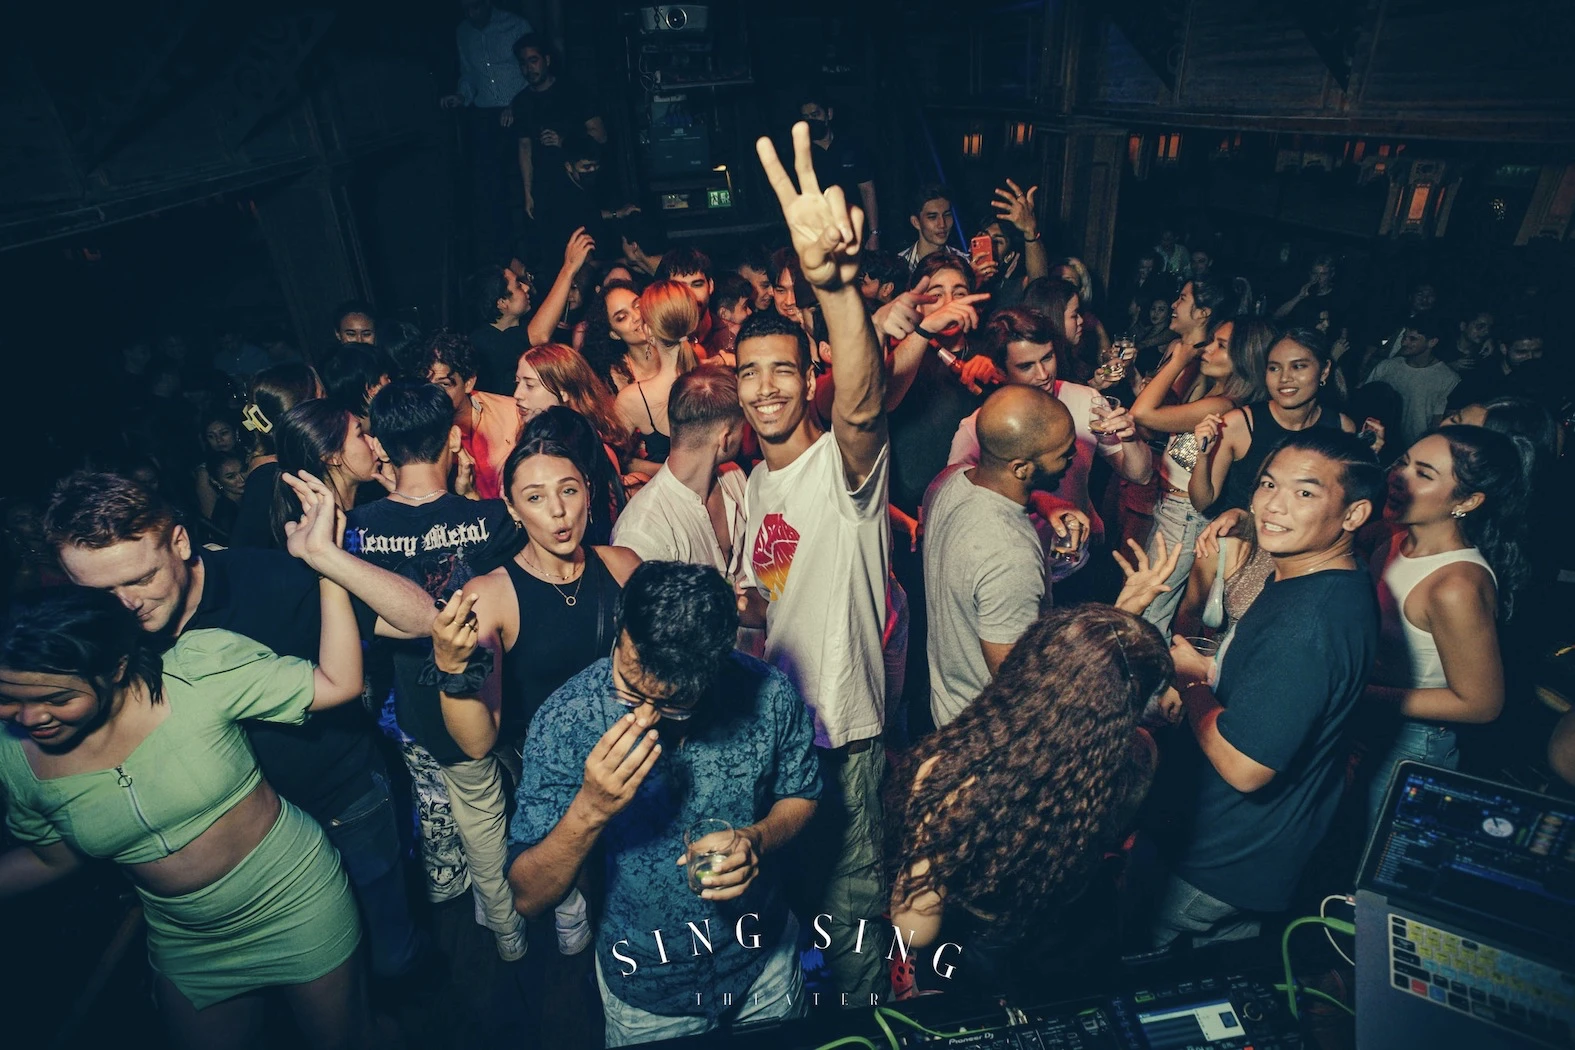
x=442 y=347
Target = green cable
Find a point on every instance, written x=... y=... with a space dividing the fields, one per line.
x=849 y=1040
x=1337 y=925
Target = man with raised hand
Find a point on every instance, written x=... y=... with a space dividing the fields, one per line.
x=819 y=550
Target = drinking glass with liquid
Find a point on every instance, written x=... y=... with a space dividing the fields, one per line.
x=708 y=844
x=1101 y=413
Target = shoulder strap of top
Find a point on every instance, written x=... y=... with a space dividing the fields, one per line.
x=1246 y=414
x=641 y=388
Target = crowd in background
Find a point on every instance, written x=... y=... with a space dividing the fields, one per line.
x=761 y=533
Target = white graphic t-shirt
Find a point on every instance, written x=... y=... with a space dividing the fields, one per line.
x=820 y=554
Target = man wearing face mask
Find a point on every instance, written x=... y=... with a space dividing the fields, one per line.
x=839 y=160
x=567 y=197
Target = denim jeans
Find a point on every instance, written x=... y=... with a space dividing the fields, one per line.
x=777 y=994
x=366 y=835
x=1179 y=523
x=1186 y=911
x=1413 y=741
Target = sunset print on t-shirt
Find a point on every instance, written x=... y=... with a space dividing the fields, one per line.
x=775 y=544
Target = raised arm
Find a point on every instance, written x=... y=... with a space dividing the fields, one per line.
x=827 y=235
x=545 y=321
x=337 y=678
x=1221 y=440
x=1014 y=206
x=1150 y=410
x=403 y=609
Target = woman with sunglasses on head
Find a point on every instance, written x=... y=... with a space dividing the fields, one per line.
x=1234 y=446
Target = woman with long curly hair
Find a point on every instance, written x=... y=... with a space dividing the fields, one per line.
x=617 y=345
x=1021 y=794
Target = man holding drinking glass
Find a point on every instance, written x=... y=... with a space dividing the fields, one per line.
x=674 y=739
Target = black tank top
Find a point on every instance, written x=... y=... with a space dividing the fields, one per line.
x=657 y=444
x=556 y=641
x=1266 y=433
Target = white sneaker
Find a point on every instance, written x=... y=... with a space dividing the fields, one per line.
x=511 y=946
x=572 y=921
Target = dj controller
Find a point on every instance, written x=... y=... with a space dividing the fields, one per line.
x=1210 y=1013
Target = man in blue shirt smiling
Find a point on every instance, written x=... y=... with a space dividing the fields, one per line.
x=674 y=728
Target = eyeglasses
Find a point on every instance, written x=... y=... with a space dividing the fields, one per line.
x=633 y=699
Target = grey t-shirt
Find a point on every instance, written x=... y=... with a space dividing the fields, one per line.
x=984 y=578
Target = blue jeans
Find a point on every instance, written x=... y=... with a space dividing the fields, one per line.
x=777 y=994
x=367 y=838
x=1413 y=741
x=1179 y=523
x=1186 y=911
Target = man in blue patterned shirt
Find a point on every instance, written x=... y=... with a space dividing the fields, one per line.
x=674 y=728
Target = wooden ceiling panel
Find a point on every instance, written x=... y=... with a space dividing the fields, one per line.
x=1471 y=54
x=1244 y=54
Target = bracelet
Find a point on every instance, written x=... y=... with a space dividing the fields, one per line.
x=1035 y=239
x=467 y=683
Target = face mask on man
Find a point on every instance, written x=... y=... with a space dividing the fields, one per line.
x=818 y=129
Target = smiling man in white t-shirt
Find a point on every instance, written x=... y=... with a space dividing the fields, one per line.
x=819 y=547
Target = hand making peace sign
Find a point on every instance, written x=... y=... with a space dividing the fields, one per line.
x=827 y=233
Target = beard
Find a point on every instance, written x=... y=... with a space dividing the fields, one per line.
x=1043 y=482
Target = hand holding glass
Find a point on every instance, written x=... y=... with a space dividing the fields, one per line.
x=708 y=843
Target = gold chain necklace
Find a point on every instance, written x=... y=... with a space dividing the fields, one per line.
x=568 y=599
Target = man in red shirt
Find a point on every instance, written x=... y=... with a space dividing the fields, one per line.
x=489 y=424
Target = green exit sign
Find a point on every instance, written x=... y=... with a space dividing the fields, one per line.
x=720 y=198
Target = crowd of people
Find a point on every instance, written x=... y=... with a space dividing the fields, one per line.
x=610 y=598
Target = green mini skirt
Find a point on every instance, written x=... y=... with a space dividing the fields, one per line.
x=283 y=915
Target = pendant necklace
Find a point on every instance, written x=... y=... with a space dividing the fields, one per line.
x=568 y=599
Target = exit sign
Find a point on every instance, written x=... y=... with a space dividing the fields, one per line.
x=720 y=198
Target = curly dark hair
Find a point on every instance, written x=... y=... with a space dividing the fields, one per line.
x=442 y=347
x=604 y=353
x=1034 y=775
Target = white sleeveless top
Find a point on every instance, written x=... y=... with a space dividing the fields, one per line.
x=1408 y=655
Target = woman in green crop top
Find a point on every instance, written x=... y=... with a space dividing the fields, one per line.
x=113 y=751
